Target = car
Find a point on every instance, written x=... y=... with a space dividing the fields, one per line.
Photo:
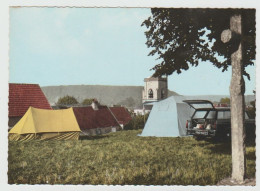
x=210 y=121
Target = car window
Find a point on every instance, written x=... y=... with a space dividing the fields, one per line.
x=199 y=114
x=211 y=115
x=224 y=114
x=246 y=115
x=201 y=105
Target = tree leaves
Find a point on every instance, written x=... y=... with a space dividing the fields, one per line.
x=184 y=37
x=67 y=100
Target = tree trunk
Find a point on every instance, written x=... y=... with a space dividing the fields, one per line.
x=237 y=90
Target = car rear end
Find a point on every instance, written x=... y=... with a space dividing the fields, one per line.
x=203 y=120
x=201 y=128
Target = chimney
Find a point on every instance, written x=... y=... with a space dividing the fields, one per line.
x=94 y=104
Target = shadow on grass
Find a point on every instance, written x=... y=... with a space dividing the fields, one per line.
x=250 y=141
x=93 y=137
x=251 y=155
x=223 y=146
x=216 y=146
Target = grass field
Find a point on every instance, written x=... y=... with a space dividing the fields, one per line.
x=123 y=158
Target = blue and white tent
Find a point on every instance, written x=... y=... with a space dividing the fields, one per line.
x=168 y=117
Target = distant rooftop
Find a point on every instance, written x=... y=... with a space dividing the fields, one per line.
x=88 y=118
x=121 y=114
x=22 y=96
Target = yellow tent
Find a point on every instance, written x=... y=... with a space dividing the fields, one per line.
x=46 y=124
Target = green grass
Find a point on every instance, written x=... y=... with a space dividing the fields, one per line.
x=123 y=158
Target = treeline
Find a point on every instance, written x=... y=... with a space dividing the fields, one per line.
x=250 y=110
x=70 y=100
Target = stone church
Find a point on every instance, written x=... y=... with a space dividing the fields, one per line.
x=155 y=89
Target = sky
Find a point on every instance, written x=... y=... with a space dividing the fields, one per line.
x=97 y=46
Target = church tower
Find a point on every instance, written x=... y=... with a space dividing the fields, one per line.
x=155 y=89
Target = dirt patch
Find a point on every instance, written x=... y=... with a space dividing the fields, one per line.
x=229 y=182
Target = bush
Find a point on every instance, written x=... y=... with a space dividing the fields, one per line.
x=87 y=101
x=251 y=110
x=225 y=100
x=67 y=100
x=137 y=122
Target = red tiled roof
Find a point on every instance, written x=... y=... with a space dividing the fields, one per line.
x=121 y=114
x=22 y=96
x=88 y=118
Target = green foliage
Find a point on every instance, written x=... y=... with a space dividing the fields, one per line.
x=87 y=101
x=137 y=122
x=225 y=100
x=184 y=37
x=251 y=110
x=123 y=158
x=67 y=100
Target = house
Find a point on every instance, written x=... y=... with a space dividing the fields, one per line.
x=96 y=119
x=121 y=114
x=21 y=97
x=141 y=111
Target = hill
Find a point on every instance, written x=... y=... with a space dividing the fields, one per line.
x=130 y=96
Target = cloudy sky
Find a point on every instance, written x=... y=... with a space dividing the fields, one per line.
x=104 y=46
